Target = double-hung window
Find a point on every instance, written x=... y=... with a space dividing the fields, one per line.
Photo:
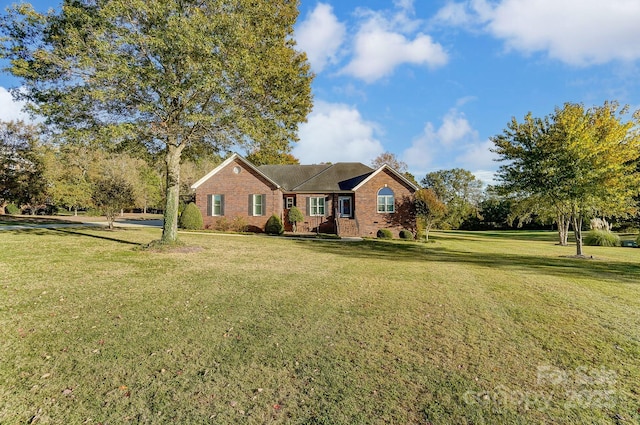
x=216 y=205
x=316 y=205
x=257 y=204
x=386 y=200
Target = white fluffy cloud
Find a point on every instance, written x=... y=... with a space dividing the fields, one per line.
x=379 y=42
x=382 y=43
x=454 y=130
x=456 y=14
x=320 y=35
x=378 y=52
x=9 y=108
x=336 y=132
x=578 y=32
x=477 y=156
x=455 y=143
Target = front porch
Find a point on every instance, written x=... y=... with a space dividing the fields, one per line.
x=343 y=226
x=329 y=214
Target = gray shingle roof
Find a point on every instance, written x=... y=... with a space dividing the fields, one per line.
x=342 y=176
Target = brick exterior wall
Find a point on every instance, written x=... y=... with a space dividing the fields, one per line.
x=311 y=223
x=366 y=205
x=236 y=189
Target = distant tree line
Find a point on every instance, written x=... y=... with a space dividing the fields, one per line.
x=561 y=172
x=38 y=175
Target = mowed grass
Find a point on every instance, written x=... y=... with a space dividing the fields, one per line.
x=476 y=328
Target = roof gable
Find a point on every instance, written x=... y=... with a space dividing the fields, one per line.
x=384 y=167
x=228 y=161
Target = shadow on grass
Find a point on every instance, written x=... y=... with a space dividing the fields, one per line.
x=411 y=252
x=13 y=220
x=514 y=235
x=106 y=238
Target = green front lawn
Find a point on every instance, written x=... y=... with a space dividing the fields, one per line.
x=476 y=328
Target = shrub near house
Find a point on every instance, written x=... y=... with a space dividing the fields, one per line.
x=349 y=199
x=191 y=218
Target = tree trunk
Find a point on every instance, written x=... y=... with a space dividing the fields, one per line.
x=170 y=226
x=427 y=228
x=577 y=231
x=563 y=229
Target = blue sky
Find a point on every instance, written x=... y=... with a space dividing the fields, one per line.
x=432 y=80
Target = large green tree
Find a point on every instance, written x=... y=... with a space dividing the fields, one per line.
x=459 y=190
x=22 y=165
x=70 y=172
x=173 y=74
x=579 y=162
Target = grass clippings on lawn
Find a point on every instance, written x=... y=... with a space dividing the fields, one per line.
x=475 y=328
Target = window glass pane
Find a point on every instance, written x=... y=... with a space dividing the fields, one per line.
x=216 y=201
x=216 y=204
x=316 y=205
x=257 y=204
x=385 y=200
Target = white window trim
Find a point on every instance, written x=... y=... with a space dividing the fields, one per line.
x=286 y=202
x=212 y=212
x=386 y=204
x=317 y=206
x=254 y=204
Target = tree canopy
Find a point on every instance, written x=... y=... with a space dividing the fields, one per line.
x=459 y=190
x=580 y=162
x=22 y=164
x=173 y=75
x=391 y=160
x=429 y=211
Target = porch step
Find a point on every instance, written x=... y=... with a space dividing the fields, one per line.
x=347 y=227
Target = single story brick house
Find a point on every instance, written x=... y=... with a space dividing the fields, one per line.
x=346 y=198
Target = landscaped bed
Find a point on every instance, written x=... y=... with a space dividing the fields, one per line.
x=474 y=328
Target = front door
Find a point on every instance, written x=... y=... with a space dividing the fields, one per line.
x=344 y=206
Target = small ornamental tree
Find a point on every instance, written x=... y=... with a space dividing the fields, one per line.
x=429 y=211
x=112 y=194
x=274 y=226
x=295 y=217
x=191 y=218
